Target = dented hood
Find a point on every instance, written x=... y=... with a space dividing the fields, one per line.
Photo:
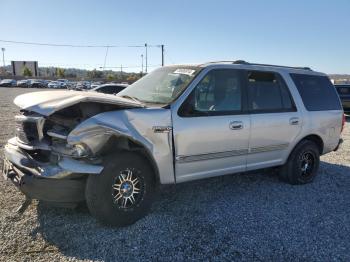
x=48 y=102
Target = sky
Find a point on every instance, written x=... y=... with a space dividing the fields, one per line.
x=296 y=32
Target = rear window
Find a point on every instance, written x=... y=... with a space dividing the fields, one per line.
x=317 y=92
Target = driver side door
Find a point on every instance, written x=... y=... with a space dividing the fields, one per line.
x=211 y=129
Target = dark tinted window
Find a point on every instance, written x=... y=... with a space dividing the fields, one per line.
x=343 y=89
x=218 y=93
x=317 y=92
x=268 y=93
x=110 y=89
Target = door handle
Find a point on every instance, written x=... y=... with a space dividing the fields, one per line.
x=236 y=125
x=294 y=121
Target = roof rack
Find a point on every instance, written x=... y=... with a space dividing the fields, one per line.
x=292 y=67
x=242 y=62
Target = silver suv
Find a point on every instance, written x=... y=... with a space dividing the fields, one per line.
x=176 y=124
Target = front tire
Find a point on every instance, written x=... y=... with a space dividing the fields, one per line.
x=302 y=164
x=123 y=192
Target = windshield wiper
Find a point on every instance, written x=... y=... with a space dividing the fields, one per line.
x=132 y=98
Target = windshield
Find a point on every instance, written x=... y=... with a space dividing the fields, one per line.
x=343 y=90
x=162 y=86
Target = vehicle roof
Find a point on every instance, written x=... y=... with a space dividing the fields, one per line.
x=241 y=64
x=114 y=84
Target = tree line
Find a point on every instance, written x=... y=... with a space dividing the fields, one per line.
x=80 y=74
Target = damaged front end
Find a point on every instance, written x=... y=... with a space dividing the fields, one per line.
x=40 y=161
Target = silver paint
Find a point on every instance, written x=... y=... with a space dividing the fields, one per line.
x=48 y=102
x=203 y=146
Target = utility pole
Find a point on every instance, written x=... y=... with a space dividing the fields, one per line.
x=121 y=73
x=162 y=46
x=141 y=64
x=146 y=58
x=104 y=64
x=3 y=57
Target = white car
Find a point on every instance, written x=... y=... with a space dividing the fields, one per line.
x=56 y=84
x=23 y=83
x=64 y=83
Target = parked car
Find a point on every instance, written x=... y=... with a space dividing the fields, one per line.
x=82 y=85
x=56 y=84
x=64 y=83
x=109 y=88
x=46 y=83
x=37 y=83
x=23 y=83
x=344 y=94
x=96 y=84
x=177 y=124
x=8 y=82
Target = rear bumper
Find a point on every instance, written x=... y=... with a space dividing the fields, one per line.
x=63 y=182
x=339 y=144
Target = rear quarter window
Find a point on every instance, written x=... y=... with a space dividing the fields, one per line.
x=317 y=92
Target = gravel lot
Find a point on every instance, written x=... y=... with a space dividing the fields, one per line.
x=240 y=217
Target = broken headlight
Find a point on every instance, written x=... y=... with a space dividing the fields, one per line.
x=80 y=150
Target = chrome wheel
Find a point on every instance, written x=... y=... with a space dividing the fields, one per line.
x=307 y=163
x=127 y=189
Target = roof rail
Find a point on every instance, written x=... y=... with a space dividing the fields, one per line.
x=222 y=61
x=242 y=62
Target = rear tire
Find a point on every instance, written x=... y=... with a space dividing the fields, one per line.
x=302 y=164
x=123 y=192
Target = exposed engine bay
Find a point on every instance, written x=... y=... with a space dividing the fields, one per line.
x=44 y=137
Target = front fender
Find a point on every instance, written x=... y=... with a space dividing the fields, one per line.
x=137 y=125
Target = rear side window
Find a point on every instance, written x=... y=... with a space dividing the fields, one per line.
x=317 y=92
x=267 y=92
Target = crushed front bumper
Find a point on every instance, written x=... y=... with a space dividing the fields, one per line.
x=62 y=182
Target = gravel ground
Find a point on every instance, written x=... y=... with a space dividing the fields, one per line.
x=245 y=217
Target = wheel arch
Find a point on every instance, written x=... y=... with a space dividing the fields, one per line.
x=130 y=130
x=317 y=140
x=313 y=138
x=120 y=144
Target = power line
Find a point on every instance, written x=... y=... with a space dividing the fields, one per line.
x=107 y=67
x=58 y=64
x=71 y=45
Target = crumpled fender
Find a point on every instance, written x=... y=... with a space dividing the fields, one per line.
x=139 y=125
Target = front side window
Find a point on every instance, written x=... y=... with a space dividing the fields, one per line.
x=162 y=86
x=268 y=93
x=218 y=93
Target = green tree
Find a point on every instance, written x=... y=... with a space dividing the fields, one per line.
x=132 y=78
x=27 y=71
x=60 y=72
x=110 y=77
x=95 y=74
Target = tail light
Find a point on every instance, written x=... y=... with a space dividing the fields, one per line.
x=343 y=123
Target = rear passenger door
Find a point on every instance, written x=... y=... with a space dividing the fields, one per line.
x=275 y=121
